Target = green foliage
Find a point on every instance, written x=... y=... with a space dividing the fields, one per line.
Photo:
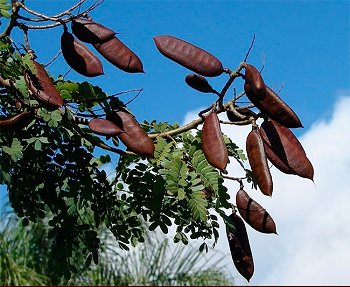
x=27 y=257
x=4 y=7
x=54 y=173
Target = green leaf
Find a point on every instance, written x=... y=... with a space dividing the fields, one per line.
x=72 y=209
x=5 y=13
x=37 y=145
x=198 y=206
x=28 y=62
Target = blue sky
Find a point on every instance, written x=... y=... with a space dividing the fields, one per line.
x=304 y=46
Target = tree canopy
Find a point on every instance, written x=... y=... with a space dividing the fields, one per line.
x=53 y=131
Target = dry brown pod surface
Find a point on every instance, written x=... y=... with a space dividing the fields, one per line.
x=287 y=147
x=243 y=111
x=255 y=82
x=104 y=127
x=276 y=161
x=42 y=88
x=15 y=123
x=198 y=83
x=258 y=162
x=118 y=54
x=79 y=57
x=189 y=56
x=213 y=145
x=274 y=107
x=88 y=31
x=254 y=214
x=240 y=248
x=134 y=137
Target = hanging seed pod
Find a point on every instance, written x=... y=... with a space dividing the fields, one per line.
x=274 y=107
x=276 y=161
x=287 y=147
x=240 y=248
x=104 y=127
x=42 y=88
x=15 y=123
x=244 y=112
x=79 y=57
x=189 y=56
x=213 y=144
x=255 y=81
x=254 y=214
x=258 y=162
x=134 y=137
x=91 y=32
x=199 y=83
x=118 y=54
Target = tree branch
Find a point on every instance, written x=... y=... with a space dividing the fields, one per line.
x=13 y=20
x=5 y=82
x=222 y=107
x=57 y=18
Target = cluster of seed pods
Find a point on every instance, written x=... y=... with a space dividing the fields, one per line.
x=273 y=141
x=82 y=60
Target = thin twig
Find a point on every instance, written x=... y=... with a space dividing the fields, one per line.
x=134 y=98
x=53 y=59
x=59 y=21
x=239 y=179
x=13 y=20
x=195 y=123
x=251 y=46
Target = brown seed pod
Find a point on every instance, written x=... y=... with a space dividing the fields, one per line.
x=42 y=88
x=134 y=137
x=213 y=144
x=199 y=83
x=104 y=127
x=79 y=57
x=258 y=162
x=274 y=107
x=255 y=81
x=240 y=248
x=244 y=112
x=276 y=161
x=287 y=147
x=91 y=32
x=117 y=53
x=15 y=123
x=254 y=214
x=189 y=56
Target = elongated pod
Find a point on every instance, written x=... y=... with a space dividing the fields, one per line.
x=79 y=57
x=240 y=248
x=276 y=161
x=258 y=162
x=287 y=147
x=198 y=83
x=15 y=123
x=274 y=107
x=42 y=88
x=118 y=54
x=104 y=127
x=213 y=144
x=189 y=56
x=244 y=112
x=255 y=81
x=134 y=137
x=254 y=214
x=91 y=32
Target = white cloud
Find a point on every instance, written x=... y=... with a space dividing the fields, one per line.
x=312 y=219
